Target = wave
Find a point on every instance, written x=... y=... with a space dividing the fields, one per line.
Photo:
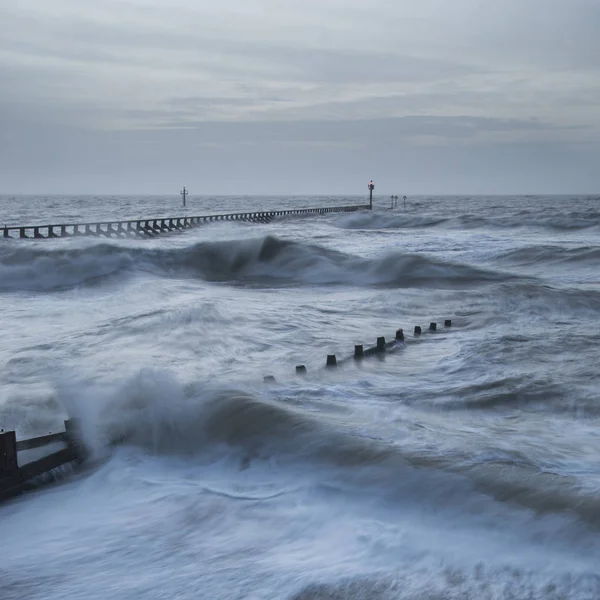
x=382 y=220
x=553 y=255
x=542 y=299
x=391 y=220
x=560 y=222
x=154 y=413
x=441 y=582
x=267 y=260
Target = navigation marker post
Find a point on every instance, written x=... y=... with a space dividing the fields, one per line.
x=184 y=194
x=371 y=188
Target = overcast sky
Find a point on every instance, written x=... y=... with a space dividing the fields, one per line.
x=303 y=96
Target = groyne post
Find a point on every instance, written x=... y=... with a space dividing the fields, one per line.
x=8 y=453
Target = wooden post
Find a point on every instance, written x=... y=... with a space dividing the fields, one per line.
x=184 y=194
x=73 y=431
x=8 y=453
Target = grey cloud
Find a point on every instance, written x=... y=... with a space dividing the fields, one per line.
x=431 y=93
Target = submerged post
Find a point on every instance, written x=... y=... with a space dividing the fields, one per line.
x=184 y=193
x=371 y=188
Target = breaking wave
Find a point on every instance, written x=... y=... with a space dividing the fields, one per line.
x=155 y=414
x=268 y=260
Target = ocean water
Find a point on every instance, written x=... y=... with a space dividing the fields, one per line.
x=462 y=465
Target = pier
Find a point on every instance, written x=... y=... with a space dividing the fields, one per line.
x=152 y=227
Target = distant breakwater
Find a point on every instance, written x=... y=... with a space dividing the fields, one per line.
x=153 y=227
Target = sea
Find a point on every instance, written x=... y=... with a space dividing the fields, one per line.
x=460 y=464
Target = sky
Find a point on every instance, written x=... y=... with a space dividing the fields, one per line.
x=299 y=97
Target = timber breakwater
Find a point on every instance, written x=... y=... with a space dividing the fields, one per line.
x=27 y=464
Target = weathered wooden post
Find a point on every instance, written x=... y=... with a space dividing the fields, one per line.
x=359 y=351
x=381 y=344
x=331 y=360
x=8 y=454
x=74 y=441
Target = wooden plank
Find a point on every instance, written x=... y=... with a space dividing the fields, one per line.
x=47 y=463
x=43 y=440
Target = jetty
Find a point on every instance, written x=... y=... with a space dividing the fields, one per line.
x=152 y=227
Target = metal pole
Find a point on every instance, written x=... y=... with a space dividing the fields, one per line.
x=183 y=193
x=371 y=188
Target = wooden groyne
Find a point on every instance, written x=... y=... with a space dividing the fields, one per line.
x=152 y=227
x=24 y=464
x=24 y=461
x=379 y=349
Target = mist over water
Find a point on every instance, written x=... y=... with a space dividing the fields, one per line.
x=463 y=464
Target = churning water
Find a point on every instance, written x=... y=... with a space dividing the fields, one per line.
x=464 y=465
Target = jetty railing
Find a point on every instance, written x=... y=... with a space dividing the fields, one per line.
x=152 y=227
x=17 y=473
